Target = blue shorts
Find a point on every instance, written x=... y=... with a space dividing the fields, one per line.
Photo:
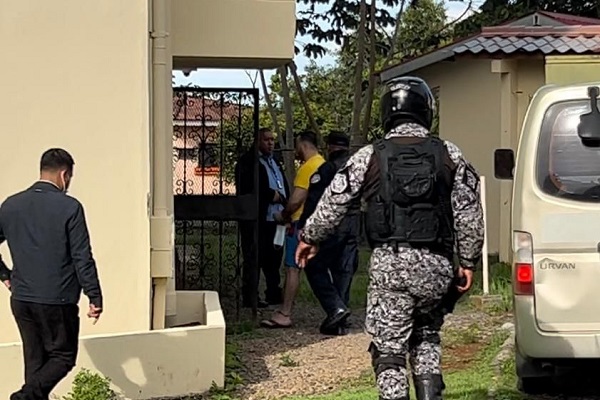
x=291 y=244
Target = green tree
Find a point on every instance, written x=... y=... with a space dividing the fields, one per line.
x=330 y=90
x=321 y=86
x=494 y=12
x=423 y=28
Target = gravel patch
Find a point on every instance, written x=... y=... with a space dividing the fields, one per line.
x=300 y=361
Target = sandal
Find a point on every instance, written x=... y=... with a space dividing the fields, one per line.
x=272 y=324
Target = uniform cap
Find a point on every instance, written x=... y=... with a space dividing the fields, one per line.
x=338 y=139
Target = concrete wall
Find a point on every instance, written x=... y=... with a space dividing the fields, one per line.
x=531 y=76
x=74 y=74
x=148 y=364
x=470 y=119
x=561 y=70
x=474 y=114
x=235 y=33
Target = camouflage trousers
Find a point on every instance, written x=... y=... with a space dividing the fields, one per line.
x=404 y=318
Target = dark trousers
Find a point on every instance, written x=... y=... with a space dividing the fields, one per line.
x=269 y=261
x=331 y=271
x=50 y=336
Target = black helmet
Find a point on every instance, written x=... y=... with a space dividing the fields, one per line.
x=408 y=99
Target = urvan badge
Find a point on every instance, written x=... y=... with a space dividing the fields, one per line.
x=547 y=263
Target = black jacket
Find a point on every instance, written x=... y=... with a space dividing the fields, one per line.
x=50 y=247
x=319 y=182
x=244 y=180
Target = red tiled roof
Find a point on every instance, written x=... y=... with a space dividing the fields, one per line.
x=204 y=108
x=570 y=19
x=576 y=35
x=536 y=31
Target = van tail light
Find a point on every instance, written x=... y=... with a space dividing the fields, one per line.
x=523 y=264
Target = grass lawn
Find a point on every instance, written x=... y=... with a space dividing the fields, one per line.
x=358 y=290
x=203 y=272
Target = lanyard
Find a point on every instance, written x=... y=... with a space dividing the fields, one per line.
x=270 y=166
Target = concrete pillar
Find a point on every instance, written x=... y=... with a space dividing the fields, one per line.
x=508 y=70
x=162 y=236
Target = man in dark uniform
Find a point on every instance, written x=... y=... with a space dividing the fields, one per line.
x=422 y=199
x=330 y=273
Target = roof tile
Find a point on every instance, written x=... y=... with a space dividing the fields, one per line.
x=577 y=35
x=547 y=44
x=571 y=19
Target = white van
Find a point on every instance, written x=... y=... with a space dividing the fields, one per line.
x=556 y=232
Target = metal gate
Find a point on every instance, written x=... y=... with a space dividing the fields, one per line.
x=212 y=129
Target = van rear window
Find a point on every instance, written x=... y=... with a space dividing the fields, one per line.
x=566 y=168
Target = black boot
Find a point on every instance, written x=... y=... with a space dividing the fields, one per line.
x=429 y=387
x=333 y=321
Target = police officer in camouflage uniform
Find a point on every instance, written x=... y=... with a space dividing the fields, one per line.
x=330 y=273
x=422 y=201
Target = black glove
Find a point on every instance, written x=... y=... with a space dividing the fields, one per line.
x=451 y=298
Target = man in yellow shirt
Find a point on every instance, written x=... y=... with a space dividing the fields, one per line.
x=308 y=153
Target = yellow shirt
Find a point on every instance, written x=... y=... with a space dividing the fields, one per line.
x=302 y=180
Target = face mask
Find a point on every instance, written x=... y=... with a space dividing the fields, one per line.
x=64 y=182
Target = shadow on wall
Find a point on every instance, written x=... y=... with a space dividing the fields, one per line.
x=169 y=362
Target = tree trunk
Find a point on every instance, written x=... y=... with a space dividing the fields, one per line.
x=276 y=126
x=394 y=41
x=302 y=95
x=288 y=150
x=371 y=88
x=358 y=76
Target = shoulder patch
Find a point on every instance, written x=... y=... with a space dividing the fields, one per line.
x=471 y=178
x=341 y=182
x=316 y=178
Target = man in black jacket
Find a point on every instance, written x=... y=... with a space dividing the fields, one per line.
x=50 y=247
x=330 y=273
x=273 y=191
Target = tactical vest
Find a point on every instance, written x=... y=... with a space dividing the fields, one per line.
x=350 y=225
x=412 y=207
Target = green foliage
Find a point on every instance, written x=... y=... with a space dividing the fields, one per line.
x=423 y=28
x=288 y=361
x=329 y=89
x=89 y=385
x=500 y=281
x=494 y=12
x=328 y=99
x=332 y=20
x=233 y=379
x=237 y=135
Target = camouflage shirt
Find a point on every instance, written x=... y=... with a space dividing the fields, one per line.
x=347 y=185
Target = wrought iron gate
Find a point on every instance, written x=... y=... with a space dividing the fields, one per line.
x=212 y=128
